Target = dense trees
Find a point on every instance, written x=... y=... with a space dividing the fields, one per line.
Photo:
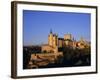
x=76 y=57
x=27 y=51
x=26 y=57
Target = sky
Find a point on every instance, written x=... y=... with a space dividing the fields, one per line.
x=37 y=25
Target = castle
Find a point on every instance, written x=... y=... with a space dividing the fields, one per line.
x=50 y=53
x=54 y=42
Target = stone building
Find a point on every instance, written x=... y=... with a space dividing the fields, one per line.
x=52 y=39
x=60 y=42
x=47 y=48
x=52 y=43
x=55 y=42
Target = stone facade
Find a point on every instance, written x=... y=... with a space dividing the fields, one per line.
x=47 y=48
x=54 y=42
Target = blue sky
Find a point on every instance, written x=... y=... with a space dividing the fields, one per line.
x=37 y=25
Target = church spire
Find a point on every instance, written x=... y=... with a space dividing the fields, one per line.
x=50 y=31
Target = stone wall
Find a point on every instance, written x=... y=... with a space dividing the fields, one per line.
x=43 y=59
x=45 y=55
